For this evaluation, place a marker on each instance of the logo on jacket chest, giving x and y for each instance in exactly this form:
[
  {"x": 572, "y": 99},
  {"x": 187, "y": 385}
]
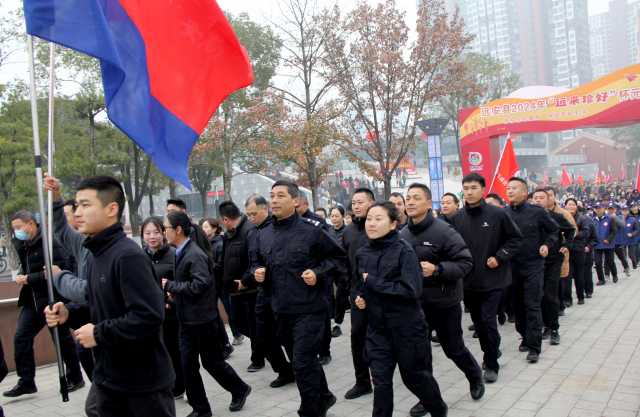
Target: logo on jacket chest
[
  {"x": 427, "y": 244},
  {"x": 606, "y": 224},
  {"x": 485, "y": 224}
]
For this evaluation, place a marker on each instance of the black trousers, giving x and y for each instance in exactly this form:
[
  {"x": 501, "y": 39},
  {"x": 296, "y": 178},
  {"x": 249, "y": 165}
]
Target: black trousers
[
  {"x": 358, "y": 340},
  {"x": 267, "y": 339},
  {"x": 577, "y": 273},
  {"x": 244, "y": 313},
  {"x": 112, "y": 403},
  {"x": 342, "y": 303},
  {"x": 550, "y": 300},
  {"x": 483, "y": 306},
  {"x": 506, "y": 302},
  {"x": 447, "y": 322},
  {"x": 200, "y": 343},
  {"x": 528, "y": 279},
  {"x": 621, "y": 253},
  {"x": 632, "y": 251},
  {"x": 325, "y": 346},
  {"x": 301, "y": 334},
  {"x": 4, "y": 370},
  {"x": 30, "y": 322},
  {"x": 605, "y": 256},
  {"x": 588, "y": 272},
  {"x": 171, "y": 335},
  {"x": 405, "y": 346}
]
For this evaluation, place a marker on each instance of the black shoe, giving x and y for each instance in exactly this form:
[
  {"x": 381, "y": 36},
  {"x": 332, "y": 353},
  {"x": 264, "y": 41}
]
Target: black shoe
[
  {"x": 255, "y": 367},
  {"x": 228, "y": 350},
  {"x": 358, "y": 391},
  {"x": 589, "y": 295},
  {"x": 490, "y": 376},
  {"x": 615, "y": 279},
  {"x": 324, "y": 360},
  {"x": 75, "y": 386},
  {"x": 511, "y": 319},
  {"x": 177, "y": 397},
  {"x": 477, "y": 390},
  {"x": 336, "y": 331},
  {"x": 555, "y": 338},
  {"x": 200, "y": 414},
  {"x": 21, "y": 389},
  {"x": 560, "y": 313},
  {"x": 568, "y": 304},
  {"x": 545, "y": 333},
  {"x": 330, "y": 401},
  {"x": 435, "y": 339},
  {"x": 581, "y": 301},
  {"x": 238, "y": 402},
  {"x": 475, "y": 335},
  {"x": 600, "y": 283},
  {"x": 523, "y": 348},
  {"x": 502, "y": 319},
  {"x": 533, "y": 356},
  {"x": 418, "y": 410},
  {"x": 281, "y": 381},
  {"x": 472, "y": 327}
]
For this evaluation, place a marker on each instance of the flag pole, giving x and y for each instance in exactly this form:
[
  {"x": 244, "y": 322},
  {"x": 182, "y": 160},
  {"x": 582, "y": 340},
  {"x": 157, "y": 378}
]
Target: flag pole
[
  {"x": 50, "y": 147},
  {"x": 499, "y": 161},
  {"x": 43, "y": 219}
]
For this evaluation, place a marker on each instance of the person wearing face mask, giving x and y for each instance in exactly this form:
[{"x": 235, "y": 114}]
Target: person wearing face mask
[
  {"x": 444, "y": 260},
  {"x": 163, "y": 258},
  {"x": 388, "y": 289},
  {"x": 32, "y": 300}
]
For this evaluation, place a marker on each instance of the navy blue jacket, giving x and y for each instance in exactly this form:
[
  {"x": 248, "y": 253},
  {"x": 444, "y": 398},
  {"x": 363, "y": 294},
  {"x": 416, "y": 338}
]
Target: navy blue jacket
[
  {"x": 606, "y": 229},
  {"x": 288, "y": 247}
]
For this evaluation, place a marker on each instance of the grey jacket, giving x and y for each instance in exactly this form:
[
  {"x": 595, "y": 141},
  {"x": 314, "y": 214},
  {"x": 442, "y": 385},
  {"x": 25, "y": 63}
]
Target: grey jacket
[{"x": 70, "y": 286}]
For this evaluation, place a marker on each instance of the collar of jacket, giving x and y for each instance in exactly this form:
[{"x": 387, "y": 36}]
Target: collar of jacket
[
  {"x": 100, "y": 242},
  {"x": 232, "y": 233},
  {"x": 340, "y": 229},
  {"x": 159, "y": 254},
  {"x": 36, "y": 241},
  {"x": 475, "y": 210},
  {"x": 518, "y": 207},
  {"x": 284, "y": 223},
  {"x": 385, "y": 240},
  {"x": 359, "y": 222},
  {"x": 266, "y": 222},
  {"x": 423, "y": 225}
]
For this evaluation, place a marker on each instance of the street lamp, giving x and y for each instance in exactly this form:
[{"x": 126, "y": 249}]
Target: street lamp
[{"x": 433, "y": 128}]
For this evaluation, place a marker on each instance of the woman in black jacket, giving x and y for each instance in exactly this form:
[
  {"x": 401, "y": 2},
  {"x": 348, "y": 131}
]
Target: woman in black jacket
[
  {"x": 579, "y": 248},
  {"x": 341, "y": 299},
  {"x": 163, "y": 258},
  {"x": 389, "y": 289}
]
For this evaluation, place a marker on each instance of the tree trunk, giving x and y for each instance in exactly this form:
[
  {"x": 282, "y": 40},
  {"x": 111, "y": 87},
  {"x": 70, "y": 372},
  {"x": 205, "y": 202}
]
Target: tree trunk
[
  {"x": 227, "y": 175},
  {"x": 151, "y": 208},
  {"x": 172, "y": 189},
  {"x": 134, "y": 218},
  {"x": 387, "y": 185},
  {"x": 203, "y": 200},
  {"x": 313, "y": 182}
]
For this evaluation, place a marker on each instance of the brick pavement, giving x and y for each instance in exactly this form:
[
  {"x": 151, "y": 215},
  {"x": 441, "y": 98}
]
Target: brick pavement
[{"x": 595, "y": 371}]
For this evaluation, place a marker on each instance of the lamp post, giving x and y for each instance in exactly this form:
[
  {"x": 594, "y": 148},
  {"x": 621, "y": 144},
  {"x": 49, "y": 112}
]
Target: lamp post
[{"x": 433, "y": 129}]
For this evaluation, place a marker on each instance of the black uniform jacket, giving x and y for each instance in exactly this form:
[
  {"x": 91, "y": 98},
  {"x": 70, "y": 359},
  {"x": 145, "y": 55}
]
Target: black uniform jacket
[{"x": 537, "y": 227}]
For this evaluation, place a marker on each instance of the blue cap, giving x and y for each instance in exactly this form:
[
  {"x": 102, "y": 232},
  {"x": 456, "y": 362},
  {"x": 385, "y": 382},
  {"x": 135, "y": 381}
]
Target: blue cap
[{"x": 598, "y": 205}]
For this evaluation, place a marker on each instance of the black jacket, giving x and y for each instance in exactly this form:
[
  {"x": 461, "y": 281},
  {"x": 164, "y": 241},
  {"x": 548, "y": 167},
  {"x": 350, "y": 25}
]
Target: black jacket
[
  {"x": 164, "y": 263},
  {"x": 582, "y": 238},
  {"x": 437, "y": 242},
  {"x": 565, "y": 235},
  {"x": 264, "y": 289},
  {"x": 236, "y": 264},
  {"x": 537, "y": 228},
  {"x": 488, "y": 232},
  {"x": 353, "y": 238},
  {"x": 394, "y": 281},
  {"x": 127, "y": 307},
  {"x": 35, "y": 294},
  {"x": 288, "y": 247},
  {"x": 193, "y": 288}
]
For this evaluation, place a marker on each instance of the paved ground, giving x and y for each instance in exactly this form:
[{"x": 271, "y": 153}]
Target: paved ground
[{"x": 594, "y": 372}]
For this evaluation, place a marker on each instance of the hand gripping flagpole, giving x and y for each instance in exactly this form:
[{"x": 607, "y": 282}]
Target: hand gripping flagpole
[{"x": 45, "y": 239}]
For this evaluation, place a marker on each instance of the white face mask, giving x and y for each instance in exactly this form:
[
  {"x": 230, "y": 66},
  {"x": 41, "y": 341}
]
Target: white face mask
[{"x": 21, "y": 235}]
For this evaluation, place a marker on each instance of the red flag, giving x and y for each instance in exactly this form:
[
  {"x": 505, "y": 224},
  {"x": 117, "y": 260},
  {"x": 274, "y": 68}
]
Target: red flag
[
  {"x": 507, "y": 168},
  {"x": 597, "y": 180},
  {"x": 565, "y": 181},
  {"x": 580, "y": 180}
]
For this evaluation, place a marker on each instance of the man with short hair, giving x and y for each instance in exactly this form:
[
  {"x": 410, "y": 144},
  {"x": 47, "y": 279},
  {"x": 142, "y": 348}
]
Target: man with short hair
[
  {"x": 133, "y": 374},
  {"x": 236, "y": 275},
  {"x": 321, "y": 212},
  {"x": 32, "y": 300},
  {"x": 398, "y": 200},
  {"x": 257, "y": 210},
  {"x": 492, "y": 238},
  {"x": 444, "y": 260},
  {"x": 353, "y": 238},
  {"x": 606, "y": 229},
  {"x": 296, "y": 256},
  {"x": 540, "y": 234},
  {"x": 449, "y": 206}
]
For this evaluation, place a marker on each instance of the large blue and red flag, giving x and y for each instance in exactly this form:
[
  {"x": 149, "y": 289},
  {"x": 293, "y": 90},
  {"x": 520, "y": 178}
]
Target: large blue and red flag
[{"x": 166, "y": 65}]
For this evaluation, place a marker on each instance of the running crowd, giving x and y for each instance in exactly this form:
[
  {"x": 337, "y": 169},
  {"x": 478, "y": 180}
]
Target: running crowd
[{"x": 144, "y": 319}]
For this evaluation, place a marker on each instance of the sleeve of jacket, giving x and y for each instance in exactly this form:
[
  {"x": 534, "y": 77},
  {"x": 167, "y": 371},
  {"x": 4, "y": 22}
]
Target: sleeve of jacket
[
  {"x": 584, "y": 232},
  {"x": 593, "y": 234},
  {"x": 331, "y": 258},
  {"x": 407, "y": 285},
  {"x": 247, "y": 278},
  {"x": 567, "y": 229},
  {"x": 200, "y": 275},
  {"x": 549, "y": 229},
  {"x": 255, "y": 258},
  {"x": 143, "y": 300},
  {"x": 459, "y": 261},
  {"x": 71, "y": 287},
  {"x": 512, "y": 238},
  {"x": 70, "y": 239}
]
